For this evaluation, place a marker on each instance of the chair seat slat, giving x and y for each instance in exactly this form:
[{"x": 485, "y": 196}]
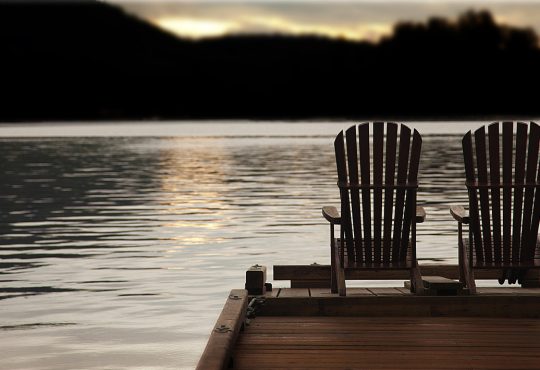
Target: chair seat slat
[
  {"x": 390, "y": 167},
  {"x": 508, "y": 144},
  {"x": 410, "y": 201},
  {"x": 473, "y": 197},
  {"x": 495, "y": 180},
  {"x": 378, "y": 145},
  {"x": 341, "y": 165},
  {"x": 531, "y": 170},
  {"x": 352, "y": 159},
  {"x": 403, "y": 166},
  {"x": 519, "y": 177},
  {"x": 481, "y": 163},
  {"x": 364, "y": 163}
]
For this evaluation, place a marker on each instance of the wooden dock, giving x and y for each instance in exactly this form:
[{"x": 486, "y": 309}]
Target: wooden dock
[
  {"x": 376, "y": 328},
  {"x": 318, "y": 342}
]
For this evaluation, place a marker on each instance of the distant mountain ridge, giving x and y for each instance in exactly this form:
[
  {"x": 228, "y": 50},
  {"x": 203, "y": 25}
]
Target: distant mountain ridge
[{"x": 90, "y": 60}]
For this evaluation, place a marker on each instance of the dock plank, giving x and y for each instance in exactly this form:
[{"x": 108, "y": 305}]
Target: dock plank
[
  {"x": 223, "y": 338},
  {"x": 321, "y": 292},
  {"x": 404, "y": 290},
  {"x": 517, "y": 291},
  {"x": 322, "y": 342},
  {"x": 386, "y": 291},
  {"x": 274, "y": 293},
  {"x": 490, "y": 302},
  {"x": 294, "y": 293},
  {"x": 351, "y": 292}
]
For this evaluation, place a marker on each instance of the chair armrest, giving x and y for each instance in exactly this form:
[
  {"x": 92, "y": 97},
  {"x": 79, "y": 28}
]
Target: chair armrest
[
  {"x": 331, "y": 214},
  {"x": 420, "y": 214},
  {"x": 459, "y": 214}
]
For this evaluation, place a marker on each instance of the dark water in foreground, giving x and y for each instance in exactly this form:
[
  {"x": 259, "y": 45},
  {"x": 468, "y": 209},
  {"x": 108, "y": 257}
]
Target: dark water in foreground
[{"x": 118, "y": 252}]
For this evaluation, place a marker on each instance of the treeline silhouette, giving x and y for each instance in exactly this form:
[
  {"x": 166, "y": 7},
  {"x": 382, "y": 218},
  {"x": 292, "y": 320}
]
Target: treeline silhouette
[{"x": 90, "y": 60}]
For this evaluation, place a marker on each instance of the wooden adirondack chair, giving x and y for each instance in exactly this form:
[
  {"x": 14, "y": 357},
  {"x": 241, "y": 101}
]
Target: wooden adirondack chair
[
  {"x": 392, "y": 245},
  {"x": 509, "y": 245}
]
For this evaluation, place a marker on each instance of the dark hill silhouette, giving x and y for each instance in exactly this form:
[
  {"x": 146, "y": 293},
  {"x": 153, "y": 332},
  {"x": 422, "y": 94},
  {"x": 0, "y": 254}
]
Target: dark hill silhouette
[{"x": 90, "y": 60}]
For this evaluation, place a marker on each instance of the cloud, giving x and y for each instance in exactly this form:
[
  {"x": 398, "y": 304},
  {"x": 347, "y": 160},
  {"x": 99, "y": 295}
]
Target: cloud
[{"x": 353, "y": 19}]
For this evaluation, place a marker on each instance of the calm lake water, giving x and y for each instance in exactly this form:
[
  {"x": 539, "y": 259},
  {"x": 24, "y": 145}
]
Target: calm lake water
[{"x": 120, "y": 242}]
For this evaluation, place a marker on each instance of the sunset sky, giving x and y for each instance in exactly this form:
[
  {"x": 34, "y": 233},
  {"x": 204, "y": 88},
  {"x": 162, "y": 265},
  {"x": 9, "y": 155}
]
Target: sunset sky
[{"x": 358, "y": 20}]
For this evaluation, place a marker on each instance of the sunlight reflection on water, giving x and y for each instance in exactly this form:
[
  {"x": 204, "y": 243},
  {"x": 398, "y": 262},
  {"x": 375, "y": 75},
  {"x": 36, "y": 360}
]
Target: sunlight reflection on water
[{"x": 118, "y": 249}]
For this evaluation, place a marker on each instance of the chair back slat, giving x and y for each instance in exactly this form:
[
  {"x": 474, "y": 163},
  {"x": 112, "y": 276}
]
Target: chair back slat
[
  {"x": 481, "y": 165},
  {"x": 519, "y": 178},
  {"x": 409, "y": 215},
  {"x": 363, "y": 142},
  {"x": 390, "y": 170},
  {"x": 344, "y": 194},
  {"x": 513, "y": 240},
  {"x": 363, "y": 181},
  {"x": 508, "y": 144},
  {"x": 473, "y": 198},
  {"x": 378, "y": 144},
  {"x": 533, "y": 234},
  {"x": 403, "y": 166},
  {"x": 495, "y": 178},
  {"x": 352, "y": 158},
  {"x": 527, "y": 242}
]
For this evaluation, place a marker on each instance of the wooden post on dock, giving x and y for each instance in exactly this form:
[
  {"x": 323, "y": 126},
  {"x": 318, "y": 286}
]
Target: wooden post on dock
[{"x": 256, "y": 280}]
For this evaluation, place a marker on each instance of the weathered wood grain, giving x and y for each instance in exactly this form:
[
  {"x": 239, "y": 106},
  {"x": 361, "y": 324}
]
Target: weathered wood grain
[
  {"x": 217, "y": 353},
  {"x": 392, "y": 302},
  {"x": 388, "y": 343},
  {"x": 322, "y": 272}
]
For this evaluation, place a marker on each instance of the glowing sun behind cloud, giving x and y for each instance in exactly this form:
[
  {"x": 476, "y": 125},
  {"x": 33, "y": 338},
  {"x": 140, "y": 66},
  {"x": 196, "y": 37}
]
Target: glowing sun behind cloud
[
  {"x": 200, "y": 28},
  {"x": 195, "y": 28}
]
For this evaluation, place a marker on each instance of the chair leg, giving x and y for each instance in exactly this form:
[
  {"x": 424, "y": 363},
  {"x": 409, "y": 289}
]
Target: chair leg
[
  {"x": 334, "y": 285},
  {"x": 339, "y": 272},
  {"x": 471, "y": 284},
  {"x": 333, "y": 277},
  {"x": 342, "y": 290},
  {"x": 461, "y": 259},
  {"x": 466, "y": 269},
  {"x": 333, "y": 274},
  {"x": 417, "y": 286}
]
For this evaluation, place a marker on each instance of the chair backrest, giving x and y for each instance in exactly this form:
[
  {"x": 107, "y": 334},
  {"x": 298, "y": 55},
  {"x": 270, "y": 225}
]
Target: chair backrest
[
  {"x": 392, "y": 221},
  {"x": 514, "y": 239}
]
